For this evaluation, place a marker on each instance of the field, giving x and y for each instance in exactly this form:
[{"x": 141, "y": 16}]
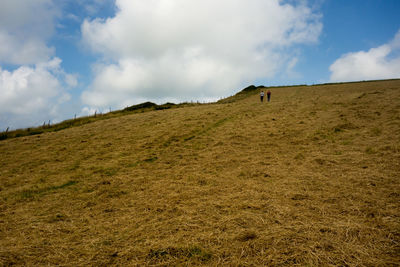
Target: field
[{"x": 310, "y": 179}]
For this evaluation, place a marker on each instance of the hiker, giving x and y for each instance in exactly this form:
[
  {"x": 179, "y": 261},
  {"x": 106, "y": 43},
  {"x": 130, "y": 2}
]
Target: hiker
[
  {"x": 262, "y": 96},
  {"x": 269, "y": 95}
]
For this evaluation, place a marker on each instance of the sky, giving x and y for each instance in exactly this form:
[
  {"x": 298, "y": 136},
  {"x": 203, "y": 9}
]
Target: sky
[{"x": 61, "y": 58}]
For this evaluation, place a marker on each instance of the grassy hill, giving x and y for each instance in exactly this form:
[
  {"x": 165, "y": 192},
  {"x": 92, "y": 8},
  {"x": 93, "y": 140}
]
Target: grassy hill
[{"x": 311, "y": 178}]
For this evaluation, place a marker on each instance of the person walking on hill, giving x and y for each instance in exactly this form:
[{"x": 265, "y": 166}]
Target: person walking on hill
[
  {"x": 262, "y": 96},
  {"x": 269, "y": 95}
]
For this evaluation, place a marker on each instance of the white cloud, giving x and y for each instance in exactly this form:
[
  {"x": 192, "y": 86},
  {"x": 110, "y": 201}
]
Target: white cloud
[
  {"x": 35, "y": 88},
  {"x": 71, "y": 80},
  {"x": 73, "y": 17},
  {"x": 192, "y": 50},
  {"x": 25, "y": 26},
  {"x": 30, "y": 95},
  {"x": 16, "y": 51},
  {"x": 382, "y": 62},
  {"x": 86, "y": 111}
]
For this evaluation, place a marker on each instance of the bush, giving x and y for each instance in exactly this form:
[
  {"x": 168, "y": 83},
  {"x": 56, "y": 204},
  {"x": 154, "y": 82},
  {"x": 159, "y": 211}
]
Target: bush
[
  {"x": 165, "y": 106},
  {"x": 3, "y": 136},
  {"x": 141, "y": 106},
  {"x": 249, "y": 88}
]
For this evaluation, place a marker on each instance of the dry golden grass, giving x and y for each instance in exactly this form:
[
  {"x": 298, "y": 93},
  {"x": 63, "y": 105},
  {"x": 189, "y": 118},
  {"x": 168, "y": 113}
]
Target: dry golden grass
[{"x": 309, "y": 179}]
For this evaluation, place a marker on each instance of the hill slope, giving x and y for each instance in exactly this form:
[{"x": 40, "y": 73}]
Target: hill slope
[{"x": 311, "y": 178}]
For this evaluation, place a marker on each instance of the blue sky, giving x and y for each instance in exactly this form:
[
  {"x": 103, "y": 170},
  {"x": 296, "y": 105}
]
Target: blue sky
[
  {"x": 61, "y": 58},
  {"x": 348, "y": 26}
]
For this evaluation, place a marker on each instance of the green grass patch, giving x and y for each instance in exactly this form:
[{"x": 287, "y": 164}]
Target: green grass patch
[
  {"x": 151, "y": 159},
  {"x": 344, "y": 126},
  {"x": 190, "y": 253},
  {"x": 32, "y": 193},
  {"x": 104, "y": 171},
  {"x": 370, "y": 150}
]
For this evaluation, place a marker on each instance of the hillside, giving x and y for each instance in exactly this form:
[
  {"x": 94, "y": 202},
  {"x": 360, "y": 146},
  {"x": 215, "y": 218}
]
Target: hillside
[{"x": 311, "y": 178}]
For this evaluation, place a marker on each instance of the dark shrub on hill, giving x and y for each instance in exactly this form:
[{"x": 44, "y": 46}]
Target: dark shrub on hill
[
  {"x": 141, "y": 106},
  {"x": 3, "y": 136},
  {"x": 249, "y": 88},
  {"x": 165, "y": 106}
]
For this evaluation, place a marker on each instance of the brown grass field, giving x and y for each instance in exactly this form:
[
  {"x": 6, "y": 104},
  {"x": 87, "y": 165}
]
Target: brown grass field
[{"x": 310, "y": 179}]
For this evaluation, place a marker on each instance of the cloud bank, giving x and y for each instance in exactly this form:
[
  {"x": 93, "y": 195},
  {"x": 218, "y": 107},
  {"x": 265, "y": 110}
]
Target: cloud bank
[
  {"x": 382, "y": 62},
  {"x": 32, "y": 94},
  {"x": 36, "y": 85},
  {"x": 24, "y": 28},
  {"x": 192, "y": 50}
]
